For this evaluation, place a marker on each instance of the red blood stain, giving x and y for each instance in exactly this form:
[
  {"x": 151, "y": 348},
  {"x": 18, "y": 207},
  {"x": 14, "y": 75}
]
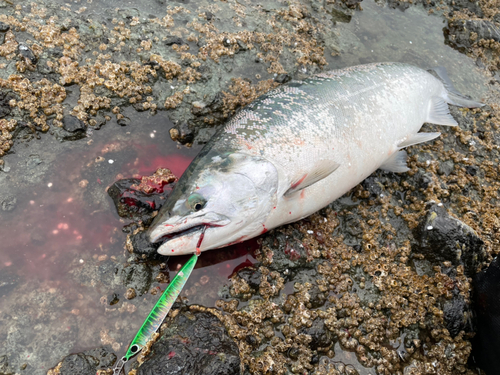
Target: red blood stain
[
  {"x": 171, "y": 355},
  {"x": 264, "y": 230},
  {"x": 291, "y": 252},
  {"x": 245, "y": 264},
  {"x": 298, "y": 182}
]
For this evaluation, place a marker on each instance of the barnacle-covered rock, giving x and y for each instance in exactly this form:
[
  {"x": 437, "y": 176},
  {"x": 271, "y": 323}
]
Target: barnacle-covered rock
[{"x": 441, "y": 237}]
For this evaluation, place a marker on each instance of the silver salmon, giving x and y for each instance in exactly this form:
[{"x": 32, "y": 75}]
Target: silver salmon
[{"x": 299, "y": 147}]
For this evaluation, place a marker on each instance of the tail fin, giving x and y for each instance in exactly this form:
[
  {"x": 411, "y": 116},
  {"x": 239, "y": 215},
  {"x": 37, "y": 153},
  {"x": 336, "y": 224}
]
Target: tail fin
[{"x": 454, "y": 96}]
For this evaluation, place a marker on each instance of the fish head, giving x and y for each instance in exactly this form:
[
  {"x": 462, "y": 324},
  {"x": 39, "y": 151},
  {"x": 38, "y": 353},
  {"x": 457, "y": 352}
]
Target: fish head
[{"x": 219, "y": 200}]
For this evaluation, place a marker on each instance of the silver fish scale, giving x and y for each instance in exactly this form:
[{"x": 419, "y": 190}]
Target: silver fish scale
[{"x": 334, "y": 115}]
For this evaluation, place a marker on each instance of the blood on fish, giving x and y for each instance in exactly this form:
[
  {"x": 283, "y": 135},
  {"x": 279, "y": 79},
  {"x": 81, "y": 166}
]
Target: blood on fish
[
  {"x": 264, "y": 230},
  {"x": 299, "y": 182},
  {"x": 202, "y": 235}
]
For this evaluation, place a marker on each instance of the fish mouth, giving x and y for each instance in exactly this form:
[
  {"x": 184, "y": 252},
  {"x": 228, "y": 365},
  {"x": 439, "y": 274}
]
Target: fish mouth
[
  {"x": 183, "y": 233},
  {"x": 181, "y": 227}
]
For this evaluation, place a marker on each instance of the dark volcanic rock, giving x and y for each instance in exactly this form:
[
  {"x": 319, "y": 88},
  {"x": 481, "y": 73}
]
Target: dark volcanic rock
[
  {"x": 182, "y": 133},
  {"x": 456, "y": 313},
  {"x": 78, "y": 364},
  {"x": 486, "y": 302},
  {"x": 251, "y": 276},
  {"x": 4, "y": 27},
  {"x": 141, "y": 244},
  {"x": 5, "y": 98},
  {"x": 458, "y": 33},
  {"x": 135, "y": 204},
  {"x": 72, "y": 129},
  {"x": 137, "y": 276},
  {"x": 195, "y": 343},
  {"x": 441, "y": 237},
  {"x": 73, "y": 124},
  {"x": 4, "y": 366},
  {"x": 321, "y": 337},
  {"x": 87, "y": 363}
]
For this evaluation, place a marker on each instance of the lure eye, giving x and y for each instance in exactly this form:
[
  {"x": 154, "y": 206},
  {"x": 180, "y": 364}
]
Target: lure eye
[
  {"x": 196, "y": 201},
  {"x": 134, "y": 348}
]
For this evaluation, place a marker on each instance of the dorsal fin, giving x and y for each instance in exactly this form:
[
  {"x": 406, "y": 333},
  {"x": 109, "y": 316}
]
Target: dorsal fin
[{"x": 322, "y": 169}]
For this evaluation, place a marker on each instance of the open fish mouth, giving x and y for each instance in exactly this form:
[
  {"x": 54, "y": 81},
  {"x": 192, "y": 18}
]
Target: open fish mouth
[
  {"x": 189, "y": 232},
  {"x": 186, "y": 228}
]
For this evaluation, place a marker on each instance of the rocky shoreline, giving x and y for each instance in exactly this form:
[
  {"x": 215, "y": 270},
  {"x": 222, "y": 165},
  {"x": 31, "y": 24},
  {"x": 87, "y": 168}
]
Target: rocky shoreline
[{"x": 380, "y": 282}]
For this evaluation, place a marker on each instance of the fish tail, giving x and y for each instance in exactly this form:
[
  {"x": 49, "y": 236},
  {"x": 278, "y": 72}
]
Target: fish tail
[{"x": 453, "y": 96}]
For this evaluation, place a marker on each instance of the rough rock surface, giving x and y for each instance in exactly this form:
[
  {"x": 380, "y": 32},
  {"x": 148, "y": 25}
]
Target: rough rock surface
[
  {"x": 193, "y": 343},
  {"x": 441, "y": 237},
  {"x": 86, "y": 363}
]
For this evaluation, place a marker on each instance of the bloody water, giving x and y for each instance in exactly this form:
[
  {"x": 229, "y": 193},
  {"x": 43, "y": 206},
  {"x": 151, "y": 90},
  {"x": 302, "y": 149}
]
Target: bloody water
[{"x": 64, "y": 227}]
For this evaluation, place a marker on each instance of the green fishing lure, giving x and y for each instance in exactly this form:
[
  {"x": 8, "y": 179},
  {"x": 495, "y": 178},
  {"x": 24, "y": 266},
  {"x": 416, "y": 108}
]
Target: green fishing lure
[{"x": 157, "y": 314}]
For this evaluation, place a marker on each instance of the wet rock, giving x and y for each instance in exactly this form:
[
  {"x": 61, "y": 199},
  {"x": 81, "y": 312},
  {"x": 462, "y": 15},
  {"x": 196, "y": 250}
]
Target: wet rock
[
  {"x": 463, "y": 34},
  {"x": 441, "y": 237},
  {"x": 486, "y": 303},
  {"x": 78, "y": 364},
  {"x": 374, "y": 186},
  {"x": 171, "y": 40},
  {"x": 134, "y": 204},
  {"x": 283, "y": 78},
  {"x": 4, "y": 366},
  {"x": 5, "y": 98},
  {"x": 321, "y": 337},
  {"x": 316, "y": 297},
  {"x": 124, "y": 121},
  {"x": 251, "y": 276},
  {"x": 27, "y": 53},
  {"x": 73, "y": 124},
  {"x": 396, "y": 4},
  {"x": 113, "y": 299},
  {"x": 182, "y": 133},
  {"x": 9, "y": 204},
  {"x": 141, "y": 244},
  {"x": 194, "y": 343},
  {"x": 456, "y": 313},
  {"x": 72, "y": 129},
  {"x": 137, "y": 277},
  {"x": 87, "y": 363},
  {"x": 289, "y": 255},
  {"x": 352, "y": 4},
  {"x": 8, "y": 281},
  {"x": 4, "y": 27}
]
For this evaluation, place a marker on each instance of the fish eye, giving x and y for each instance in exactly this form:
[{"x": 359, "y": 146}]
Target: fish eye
[{"x": 196, "y": 201}]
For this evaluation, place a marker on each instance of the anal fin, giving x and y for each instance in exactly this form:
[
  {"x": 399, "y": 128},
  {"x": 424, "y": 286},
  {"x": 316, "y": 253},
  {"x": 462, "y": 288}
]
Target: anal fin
[
  {"x": 418, "y": 138},
  {"x": 396, "y": 163},
  {"x": 439, "y": 113},
  {"x": 321, "y": 170}
]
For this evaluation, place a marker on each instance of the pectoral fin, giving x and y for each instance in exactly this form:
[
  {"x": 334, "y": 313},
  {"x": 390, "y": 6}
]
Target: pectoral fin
[
  {"x": 439, "y": 113},
  {"x": 418, "y": 138},
  {"x": 321, "y": 170},
  {"x": 396, "y": 163}
]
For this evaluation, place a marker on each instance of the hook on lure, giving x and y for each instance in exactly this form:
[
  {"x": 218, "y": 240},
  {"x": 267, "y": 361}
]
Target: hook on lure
[{"x": 160, "y": 310}]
